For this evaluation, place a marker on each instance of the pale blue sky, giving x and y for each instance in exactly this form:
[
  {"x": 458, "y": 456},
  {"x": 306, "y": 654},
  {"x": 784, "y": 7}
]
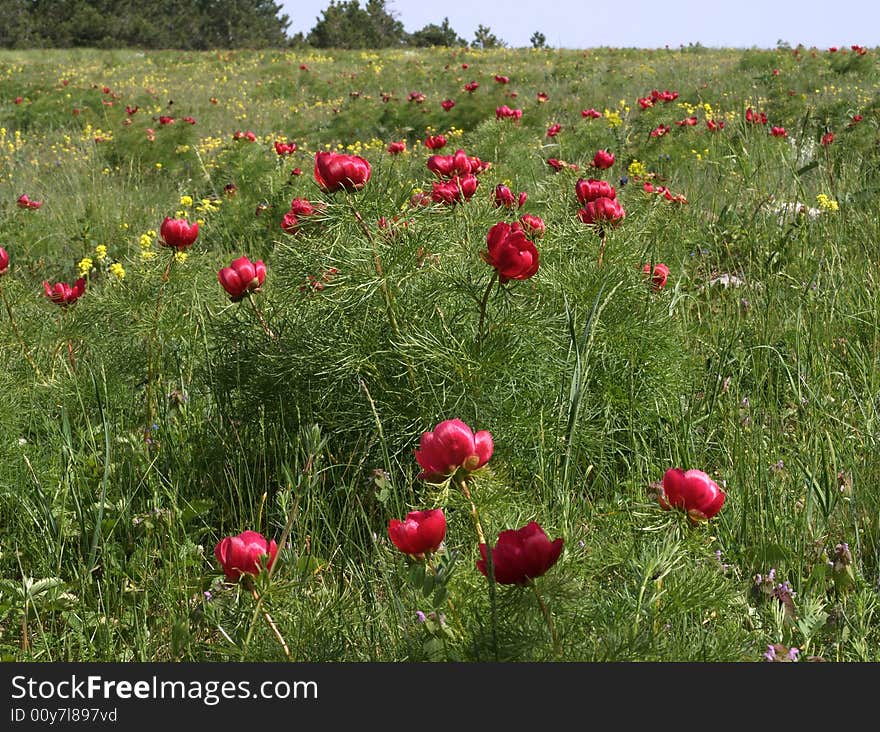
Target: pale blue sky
[{"x": 639, "y": 23}]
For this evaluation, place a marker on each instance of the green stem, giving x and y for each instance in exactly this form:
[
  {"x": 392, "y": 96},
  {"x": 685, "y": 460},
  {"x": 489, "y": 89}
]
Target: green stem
[
  {"x": 483, "y": 303},
  {"x": 467, "y": 494},
  {"x": 152, "y": 343},
  {"x": 545, "y": 611},
  {"x": 258, "y": 609},
  {"x": 18, "y": 335},
  {"x": 266, "y": 329},
  {"x": 383, "y": 284}
]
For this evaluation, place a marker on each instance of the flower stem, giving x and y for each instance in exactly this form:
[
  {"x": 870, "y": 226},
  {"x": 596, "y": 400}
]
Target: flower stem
[
  {"x": 467, "y": 494},
  {"x": 483, "y": 303},
  {"x": 152, "y": 344},
  {"x": 602, "y": 242},
  {"x": 545, "y": 611},
  {"x": 268, "y": 618},
  {"x": 266, "y": 329},
  {"x": 18, "y": 335},
  {"x": 383, "y": 283}
]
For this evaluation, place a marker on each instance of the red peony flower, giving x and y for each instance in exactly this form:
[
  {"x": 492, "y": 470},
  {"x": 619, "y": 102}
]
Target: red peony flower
[
  {"x": 660, "y": 130},
  {"x": 471, "y": 87},
  {"x": 435, "y": 142},
  {"x": 63, "y": 294},
  {"x": 458, "y": 164},
  {"x": 455, "y": 190},
  {"x": 4, "y": 261},
  {"x": 505, "y": 112},
  {"x": 602, "y": 211},
  {"x": 510, "y": 252},
  {"x": 178, "y": 233},
  {"x": 533, "y": 225},
  {"x": 659, "y": 276},
  {"x": 395, "y": 148},
  {"x": 242, "y": 277},
  {"x": 284, "y": 148},
  {"x": 603, "y": 160},
  {"x": 542, "y": 97},
  {"x": 778, "y": 132},
  {"x": 591, "y": 113},
  {"x": 554, "y": 130},
  {"x": 521, "y": 555},
  {"x": 693, "y": 491},
  {"x": 827, "y": 138},
  {"x": 452, "y": 447},
  {"x": 419, "y": 533},
  {"x": 335, "y": 171},
  {"x": 243, "y": 554},
  {"x": 502, "y": 79},
  {"x": 25, "y": 202},
  {"x": 447, "y": 104},
  {"x": 590, "y": 190}
]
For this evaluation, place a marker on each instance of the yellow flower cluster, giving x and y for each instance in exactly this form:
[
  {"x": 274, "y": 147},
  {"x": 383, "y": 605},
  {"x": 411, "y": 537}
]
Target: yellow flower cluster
[
  {"x": 117, "y": 270},
  {"x": 826, "y": 203},
  {"x": 85, "y": 266},
  {"x": 208, "y": 206},
  {"x": 145, "y": 242},
  {"x": 637, "y": 169},
  {"x": 613, "y": 118},
  {"x": 101, "y": 252}
]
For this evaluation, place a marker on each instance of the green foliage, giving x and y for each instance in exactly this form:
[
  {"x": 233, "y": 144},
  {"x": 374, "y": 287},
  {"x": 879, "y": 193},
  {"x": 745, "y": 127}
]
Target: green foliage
[
  {"x": 154, "y": 416},
  {"x": 485, "y": 38},
  {"x": 202, "y": 24},
  {"x": 436, "y": 35},
  {"x": 347, "y": 25}
]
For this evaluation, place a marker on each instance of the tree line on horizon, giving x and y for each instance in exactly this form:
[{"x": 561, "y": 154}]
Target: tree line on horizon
[{"x": 208, "y": 24}]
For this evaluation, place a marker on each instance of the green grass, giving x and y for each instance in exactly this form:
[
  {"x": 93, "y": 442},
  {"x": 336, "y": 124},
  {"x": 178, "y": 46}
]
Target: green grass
[{"x": 591, "y": 384}]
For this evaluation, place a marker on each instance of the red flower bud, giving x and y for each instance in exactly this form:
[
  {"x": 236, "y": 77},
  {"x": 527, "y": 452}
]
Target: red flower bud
[
  {"x": 243, "y": 554},
  {"x": 590, "y": 190},
  {"x": 603, "y": 159},
  {"x": 693, "y": 491},
  {"x": 335, "y": 171},
  {"x": 659, "y": 276},
  {"x": 4, "y": 261},
  {"x": 450, "y": 447},
  {"x": 395, "y": 148},
  {"x": 435, "y": 142},
  {"x": 63, "y": 294},
  {"x": 242, "y": 277},
  {"x": 178, "y": 233},
  {"x": 510, "y": 252},
  {"x": 521, "y": 555},
  {"x": 420, "y": 532},
  {"x": 602, "y": 211},
  {"x": 533, "y": 225}
]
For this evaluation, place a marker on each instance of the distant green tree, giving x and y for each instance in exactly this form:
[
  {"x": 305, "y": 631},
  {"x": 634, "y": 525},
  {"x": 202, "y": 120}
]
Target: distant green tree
[
  {"x": 436, "y": 35},
  {"x": 16, "y": 29},
  {"x": 485, "y": 38},
  {"x": 347, "y": 25},
  {"x": 538, "y": 40},
  {"x": 200, "y": 24}
]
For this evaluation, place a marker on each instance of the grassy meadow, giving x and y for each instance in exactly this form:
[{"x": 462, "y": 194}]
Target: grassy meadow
[{"x": 153, "y": 417}]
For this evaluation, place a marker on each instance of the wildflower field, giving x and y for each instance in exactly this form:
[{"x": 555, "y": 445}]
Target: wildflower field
[{"x": 440, "y": 355}]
